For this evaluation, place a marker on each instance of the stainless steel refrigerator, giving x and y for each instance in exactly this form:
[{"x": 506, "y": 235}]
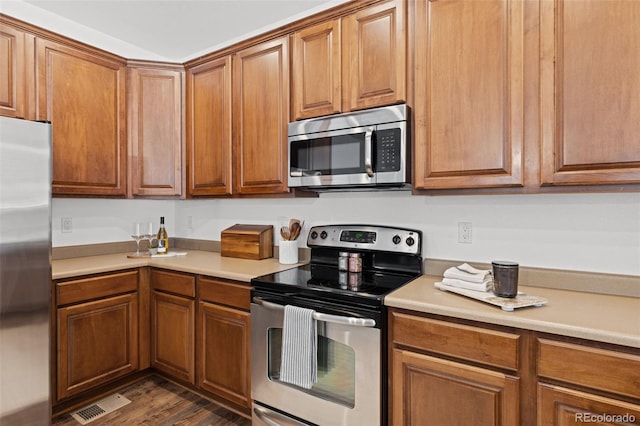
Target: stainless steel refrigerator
[{"x": 25, "y": 272}]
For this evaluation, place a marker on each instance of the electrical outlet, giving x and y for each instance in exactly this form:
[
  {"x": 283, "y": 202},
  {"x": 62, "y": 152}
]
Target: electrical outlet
[
  {"x": 190, "y": 223},
  {"x": 66, "y": 224},
  {"x": 464, "y": 232}
]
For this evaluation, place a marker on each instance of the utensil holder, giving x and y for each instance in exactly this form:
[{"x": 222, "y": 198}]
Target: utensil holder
[{"x": 288, "y": 252}]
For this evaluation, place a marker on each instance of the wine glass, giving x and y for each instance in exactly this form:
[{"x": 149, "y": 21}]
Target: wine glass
[
  {"x": 149, "y": 235},
  {"x": 138, "y": 236}
]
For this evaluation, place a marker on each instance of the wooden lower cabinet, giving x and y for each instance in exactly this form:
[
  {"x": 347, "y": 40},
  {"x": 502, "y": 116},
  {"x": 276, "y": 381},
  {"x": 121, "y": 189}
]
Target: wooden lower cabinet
[
  {"x": 173, "y": 324},
  {"x": 224, "y": 339},
  {"x": 97, "y": 342},
  {"x": 581, "y": 382},
  {"x": 208, "y": 348},
  {"x": 560, "y": 406},
  {"x": 448, "y": 373},
  {"x": 96, "y": 331},
  {"x": 172, "y": 335},
  {"x": 428, "y": 390}
]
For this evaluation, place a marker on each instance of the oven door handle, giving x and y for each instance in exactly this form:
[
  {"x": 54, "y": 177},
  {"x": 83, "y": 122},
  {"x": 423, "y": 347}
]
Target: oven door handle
[
  {"x": 336, "y": 319},
  {"x": 273, "y": 418}
]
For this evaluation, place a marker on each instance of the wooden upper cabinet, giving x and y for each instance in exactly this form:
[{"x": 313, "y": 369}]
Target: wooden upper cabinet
[
  {"x": 469, "y": 96},
  {"x": 352, "y": 63},
  {"x": 590, "y": 92},
  {"x": 260, "y": 118},
  {"x": 83, "y": 95},
  {"x": 374, "y": 56},
  {"x": 317, "y": 70},
  {"x": 17, "y": 80},
  {"x": 209, "y": 151},
  {"x": 155, "y": 131}
]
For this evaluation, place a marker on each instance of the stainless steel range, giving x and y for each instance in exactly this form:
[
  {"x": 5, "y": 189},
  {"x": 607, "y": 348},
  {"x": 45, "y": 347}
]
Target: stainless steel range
[{"x": 352, "y": 268}]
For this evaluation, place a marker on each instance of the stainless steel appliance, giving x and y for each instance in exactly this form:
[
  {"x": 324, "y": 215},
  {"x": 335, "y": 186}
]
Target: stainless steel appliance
[
  {"x": 25, "y": 272},
  {"x": 366, "y": 149},
  {"x": 351, "y": 326}
]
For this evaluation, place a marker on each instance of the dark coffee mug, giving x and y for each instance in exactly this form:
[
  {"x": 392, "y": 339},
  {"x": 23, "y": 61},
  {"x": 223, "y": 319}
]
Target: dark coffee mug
[{"x": 505, "y": 278}]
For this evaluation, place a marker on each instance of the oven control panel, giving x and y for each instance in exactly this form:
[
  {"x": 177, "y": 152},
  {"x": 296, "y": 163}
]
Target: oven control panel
[{"x": 366, "y": 237}]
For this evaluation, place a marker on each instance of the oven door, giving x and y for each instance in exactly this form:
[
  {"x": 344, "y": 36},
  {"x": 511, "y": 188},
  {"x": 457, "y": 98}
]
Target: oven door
[
  {"x": 332, "y": 158},
  {"x": 349, "y": 369}
]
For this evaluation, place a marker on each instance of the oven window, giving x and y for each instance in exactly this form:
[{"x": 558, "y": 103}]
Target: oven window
[{"x": 336, "y": 368}]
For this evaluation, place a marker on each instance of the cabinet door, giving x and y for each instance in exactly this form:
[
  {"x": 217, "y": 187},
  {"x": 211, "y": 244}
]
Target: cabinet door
[
  {"x": 173, "y": 335},
  {"x": 260, "y": 118},
  {"x": 450, "y": 393},
  {"x": 97, "y": 342},
  {"x": 83, "y": 95},
  {"x": 224, "y": 347},
  {"x": 317, "y": 69},
  {"x": 469, "y": 98},
  {"x": 590, "y": 92},
  {"x": 16, "y": 75},
  {"x": 209, "y": 128},
  {"x": 374, "y": 56},
  {"x": 155, "y": 132},
  {"x": 558, "y": 406}
]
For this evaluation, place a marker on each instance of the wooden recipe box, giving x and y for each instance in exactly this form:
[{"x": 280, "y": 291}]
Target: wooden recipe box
[{"x": 248, "y": 241}]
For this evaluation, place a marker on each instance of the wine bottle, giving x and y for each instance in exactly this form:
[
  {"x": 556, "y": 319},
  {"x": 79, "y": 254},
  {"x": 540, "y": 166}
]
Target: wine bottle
[{"x": 163, "y": 238}]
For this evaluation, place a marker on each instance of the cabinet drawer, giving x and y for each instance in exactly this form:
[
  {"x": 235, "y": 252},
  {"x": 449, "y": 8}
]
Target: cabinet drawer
[
  {"x": 600, "y": 369},
  {"x": 481, "y": 345},
  {"x": 225, "y": 292},
  {"x": 95, "y": 287},
  {"x": 174, "y": 282}
]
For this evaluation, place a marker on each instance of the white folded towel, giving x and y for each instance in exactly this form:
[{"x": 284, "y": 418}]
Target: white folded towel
[
  {"x": 299, "y": 363},
  {"x": 466, "y": 284},
  {"x": 466, "y": 272}
]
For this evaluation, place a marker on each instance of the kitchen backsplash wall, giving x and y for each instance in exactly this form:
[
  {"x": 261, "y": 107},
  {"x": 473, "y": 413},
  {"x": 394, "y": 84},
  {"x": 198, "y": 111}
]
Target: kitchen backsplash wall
[{"x": 584, "y": 232}]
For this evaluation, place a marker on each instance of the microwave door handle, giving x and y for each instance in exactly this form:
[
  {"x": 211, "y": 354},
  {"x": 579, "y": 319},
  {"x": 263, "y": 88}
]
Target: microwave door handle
[
  {"x": 368, "y": 149},
  {"x": 336, "y": 319}
]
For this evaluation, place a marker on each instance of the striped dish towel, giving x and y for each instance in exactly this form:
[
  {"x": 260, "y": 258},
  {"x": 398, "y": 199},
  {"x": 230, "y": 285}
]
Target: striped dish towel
[{"x": 299, "y": 364}]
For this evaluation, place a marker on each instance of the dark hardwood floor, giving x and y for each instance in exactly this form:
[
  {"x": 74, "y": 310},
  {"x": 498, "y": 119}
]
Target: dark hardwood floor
[{"x": 159, "y": 402}]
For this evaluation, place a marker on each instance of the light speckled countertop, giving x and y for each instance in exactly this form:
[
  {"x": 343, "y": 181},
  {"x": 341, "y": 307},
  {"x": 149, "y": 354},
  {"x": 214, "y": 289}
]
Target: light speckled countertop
[
  {"x": 605, "y": 318},
  {"x": 600, "y": 317},
  {"x": 195, "y": 262}
]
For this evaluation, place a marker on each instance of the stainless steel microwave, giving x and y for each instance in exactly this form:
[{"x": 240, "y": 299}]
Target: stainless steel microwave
[{"x": 360, "y": 150}]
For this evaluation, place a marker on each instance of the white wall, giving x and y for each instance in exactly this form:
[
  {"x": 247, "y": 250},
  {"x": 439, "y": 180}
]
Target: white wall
[
  {"x": 590, "y": 232},
  {"x": 586, "y": 232}
]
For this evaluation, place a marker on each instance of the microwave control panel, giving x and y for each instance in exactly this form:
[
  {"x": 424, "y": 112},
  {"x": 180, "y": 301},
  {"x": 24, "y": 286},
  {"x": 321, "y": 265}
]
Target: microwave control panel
[{"x": 388, "y": 148}]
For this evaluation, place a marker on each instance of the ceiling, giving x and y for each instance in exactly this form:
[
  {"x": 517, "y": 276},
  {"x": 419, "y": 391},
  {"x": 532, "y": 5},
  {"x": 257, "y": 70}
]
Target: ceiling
[{"x": 180, "y": 30}]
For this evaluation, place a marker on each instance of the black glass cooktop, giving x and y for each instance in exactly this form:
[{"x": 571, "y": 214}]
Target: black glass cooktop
[{"x": 326, "y": 282}]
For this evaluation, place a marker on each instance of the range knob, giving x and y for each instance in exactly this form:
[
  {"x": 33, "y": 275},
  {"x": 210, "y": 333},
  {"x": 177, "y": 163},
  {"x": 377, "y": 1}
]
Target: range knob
[
  {"x": 410, "y": 241},
  {"x": 314, "y": 235},
  {"x": 396, "y": 239},
  {"x": 323, "y": 234}
]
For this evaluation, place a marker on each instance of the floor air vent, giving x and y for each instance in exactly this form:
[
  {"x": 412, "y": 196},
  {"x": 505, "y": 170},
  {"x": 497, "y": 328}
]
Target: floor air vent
[{"x": 101, "y": 408}]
